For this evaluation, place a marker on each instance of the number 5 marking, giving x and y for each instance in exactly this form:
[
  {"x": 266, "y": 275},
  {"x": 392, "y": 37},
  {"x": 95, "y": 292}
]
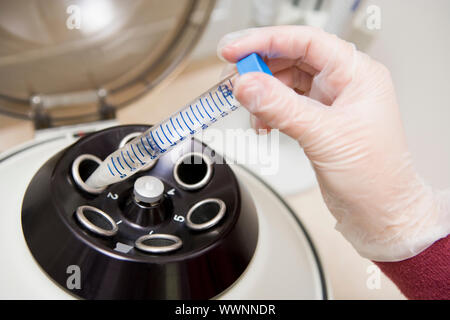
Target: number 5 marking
[{"x": 178, "y": 218}]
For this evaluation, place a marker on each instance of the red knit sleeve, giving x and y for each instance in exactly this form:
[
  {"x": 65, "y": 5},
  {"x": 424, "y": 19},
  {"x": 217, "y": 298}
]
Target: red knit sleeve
[{"x": 425, "y": 276}]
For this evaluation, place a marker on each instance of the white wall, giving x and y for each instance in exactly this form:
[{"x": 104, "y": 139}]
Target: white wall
[{"x": 414, "y": 43}]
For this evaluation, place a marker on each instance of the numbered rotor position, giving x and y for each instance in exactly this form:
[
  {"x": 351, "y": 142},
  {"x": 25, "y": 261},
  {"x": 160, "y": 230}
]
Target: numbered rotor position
[{"x": 148, "y": 237}]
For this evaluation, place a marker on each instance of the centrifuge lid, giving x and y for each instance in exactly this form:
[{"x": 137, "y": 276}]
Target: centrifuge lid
[{"x": 65, "y": 58}]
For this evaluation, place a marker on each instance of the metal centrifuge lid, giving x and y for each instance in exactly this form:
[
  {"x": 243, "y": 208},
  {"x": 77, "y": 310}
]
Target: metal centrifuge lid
[{"x": 65, "y": 59}]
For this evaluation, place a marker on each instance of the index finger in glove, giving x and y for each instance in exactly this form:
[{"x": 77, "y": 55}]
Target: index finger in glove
[
  {"x": 302, "y": 46},
  {"x": 308, "y": 44}
]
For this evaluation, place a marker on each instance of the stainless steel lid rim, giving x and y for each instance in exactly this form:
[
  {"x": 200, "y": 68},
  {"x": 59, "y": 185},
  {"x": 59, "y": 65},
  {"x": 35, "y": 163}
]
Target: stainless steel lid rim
[{"x": 145, "y": 74}]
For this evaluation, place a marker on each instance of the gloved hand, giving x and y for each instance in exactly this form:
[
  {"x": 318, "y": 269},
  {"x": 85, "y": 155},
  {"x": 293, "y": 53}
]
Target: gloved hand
[{"x": 341, "y": 107}]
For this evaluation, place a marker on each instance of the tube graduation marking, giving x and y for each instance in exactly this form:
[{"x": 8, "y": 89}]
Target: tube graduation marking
[
  {"x": 185, "y": 122},
  {"x": 130, "y": 157},
  {"x": 173, "y": 125},
  {"x": 118, "y": 160},
  {"x": 162, "y": 150},
  {"x": 199, "y": 112},
  {"x": 162, "y": 130},
  {"x": 132, "y": 149},
  {"x": 179, "y": 124},
  {"x": 168, "y": 129},
  {"x": 142, "y": 141},
  {"x": 125, "y": 160},
  {"x": 137, "y": 145},
  {"x": 192, "y": 110},
  {"x": 214, "y": 103},
  {"x": 112, "y": 160},
  {"x": 205, "y": 109},
  {"x": 110, "y": 169},
  {"x": 219, "y": 99},
  {"x": 189, "y": 118},
  {"x": 226, "y": 99},
  {"x": 149, "y": 143}
]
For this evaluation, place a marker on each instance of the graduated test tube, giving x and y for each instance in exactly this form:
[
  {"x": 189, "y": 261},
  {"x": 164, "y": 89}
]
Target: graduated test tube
[{"x": 213, "y": 105}]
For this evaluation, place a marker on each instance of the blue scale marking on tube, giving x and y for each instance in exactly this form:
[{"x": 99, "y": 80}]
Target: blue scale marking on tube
[
  {"x": 123, "y": 157},
  {"x": 219, "y": 99},
  {"x": 179, "y": 124},
  {"x": 110, "y": 169},
  {"x": 129, "y": 156},
  {"x": 185, "y": 122},
  {"x": 231, "y": 84},
  {"x": 120, "y": 163},
  {"x": 162, "y": 130},
  {"x": 201, "y": 114},
  {"x": 120, "y": 173},
  {"x": 162, "y": 150},
  {"x": 192, "y": 110},
  {"x": 159, "y": 137},
  {"x": 173, "y": 125},
  {"x": 214, "y": 102},
  {"x": 225, "y": 97},
  {"x": 146, "y": 150},
  {"x": 168, "y": 129},
  {"x": 205, "y": 109},
  {"x": 220, "y": 111},
  {"x": 206, "y": 99},
  {"x": 132, "y": 149},
  {"x": 137, "y": 145},
  {"x": 182, "y": 130},
  {"x": 189, "y": 118},
  {"x": 149, "y": 143},
  {"x": 227, "y": 101}
]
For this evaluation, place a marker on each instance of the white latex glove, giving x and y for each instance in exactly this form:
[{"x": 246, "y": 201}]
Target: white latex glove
[{"x": 341, "y": 107}]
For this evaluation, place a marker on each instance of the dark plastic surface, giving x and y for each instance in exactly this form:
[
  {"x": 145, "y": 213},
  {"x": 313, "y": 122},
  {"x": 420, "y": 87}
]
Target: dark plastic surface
[{"x": 208, "y": 262}]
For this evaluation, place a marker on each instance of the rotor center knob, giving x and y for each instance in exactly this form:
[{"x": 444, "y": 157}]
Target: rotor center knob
[{"x": 148, "y": 189}]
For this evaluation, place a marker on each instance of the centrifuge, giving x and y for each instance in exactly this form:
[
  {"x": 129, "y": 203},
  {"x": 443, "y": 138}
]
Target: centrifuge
[{"x": 190, "y": 225}]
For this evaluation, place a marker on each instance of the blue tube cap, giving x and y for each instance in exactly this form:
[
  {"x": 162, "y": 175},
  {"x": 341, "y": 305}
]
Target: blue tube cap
[{"x": 252, "y": 63}]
